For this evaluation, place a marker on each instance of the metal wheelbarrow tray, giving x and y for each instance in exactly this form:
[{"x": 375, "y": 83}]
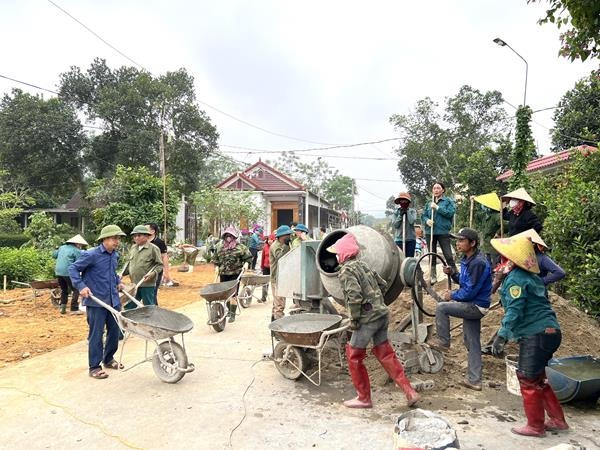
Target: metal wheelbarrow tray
[
  {"x": 219, "y": 291},
  {"x": 304, "y": 329},
  {"x": 575, "y": 378},
  {"x": 255, "y": 279},
  {"x": 153, "y": 322}
]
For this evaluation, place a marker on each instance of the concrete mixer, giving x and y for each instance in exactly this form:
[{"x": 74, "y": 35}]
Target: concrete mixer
[{"x": 308, "y": 275}]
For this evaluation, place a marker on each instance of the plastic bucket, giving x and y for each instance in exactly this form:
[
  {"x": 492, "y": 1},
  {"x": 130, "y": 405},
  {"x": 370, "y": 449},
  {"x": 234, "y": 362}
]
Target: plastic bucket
[{"x": 512, "y": 382}]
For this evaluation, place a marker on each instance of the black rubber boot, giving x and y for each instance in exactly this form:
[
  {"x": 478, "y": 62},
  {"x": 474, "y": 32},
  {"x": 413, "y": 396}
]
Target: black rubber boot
[{"x": 232, "y": 310}]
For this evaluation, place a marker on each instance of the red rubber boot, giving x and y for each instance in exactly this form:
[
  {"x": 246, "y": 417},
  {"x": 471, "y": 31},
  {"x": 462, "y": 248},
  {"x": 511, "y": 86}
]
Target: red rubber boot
[
  {"x": 533, "y": 403},
  {"x": 360, "y": 378},
  {"x": 387, "y": 357},
  {"x": 556, "y": 417}
]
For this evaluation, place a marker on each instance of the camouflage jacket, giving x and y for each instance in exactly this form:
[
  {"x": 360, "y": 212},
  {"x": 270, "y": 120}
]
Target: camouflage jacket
[
  {"x": 231, "y": 262},
  {"x": 276, "y": 251},
  {"x": 362, "y": 291}
]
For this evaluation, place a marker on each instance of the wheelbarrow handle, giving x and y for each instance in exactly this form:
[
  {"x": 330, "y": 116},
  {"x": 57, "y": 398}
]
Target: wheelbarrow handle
[
  {"x": 104, "y": 305},
  {"x": 345, "y": 324},
  {"x": 132, "y": 298}
]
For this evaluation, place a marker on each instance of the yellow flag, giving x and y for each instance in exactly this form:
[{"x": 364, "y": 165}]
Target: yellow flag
[{"x": 490, "y": 200}]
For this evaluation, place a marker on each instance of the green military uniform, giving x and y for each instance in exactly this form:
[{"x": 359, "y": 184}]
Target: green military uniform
[
  {"x": 527, "y": 311},
  {"x": 232, "y": 261},
  {"x": 363, "y": 291},
  {"x": 142, "y": 259}
]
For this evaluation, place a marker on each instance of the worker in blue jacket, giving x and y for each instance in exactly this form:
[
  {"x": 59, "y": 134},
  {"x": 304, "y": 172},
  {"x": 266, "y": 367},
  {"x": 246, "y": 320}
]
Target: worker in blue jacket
[
  {"x": 470, "y": 302},
  {"x": 437, "y": 217}
]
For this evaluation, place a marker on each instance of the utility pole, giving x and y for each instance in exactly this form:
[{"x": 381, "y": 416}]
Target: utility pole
[
  {"x": 163, "y": 173},
  {"x": 353, "y": 214}
]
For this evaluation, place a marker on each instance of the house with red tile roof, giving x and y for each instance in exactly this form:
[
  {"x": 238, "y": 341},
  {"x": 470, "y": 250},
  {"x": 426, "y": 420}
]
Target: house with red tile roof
[
  {"x": 550, "y": 163},
  {"x": 284, "y": 199}
]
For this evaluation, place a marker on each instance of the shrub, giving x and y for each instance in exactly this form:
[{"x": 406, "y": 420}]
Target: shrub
[
  {"x": 12, "y": 240},
  {"x": 26, "y": 264},
  {"x": 571, "y": 203}
]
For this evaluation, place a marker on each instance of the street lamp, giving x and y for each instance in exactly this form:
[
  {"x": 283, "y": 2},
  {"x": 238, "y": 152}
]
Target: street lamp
[{"x": 501, "y": 43}]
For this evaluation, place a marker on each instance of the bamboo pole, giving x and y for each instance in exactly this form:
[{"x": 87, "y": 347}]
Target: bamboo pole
[
  {"x": 404, "y": 233},
  {"x": 471, "y": 213}
]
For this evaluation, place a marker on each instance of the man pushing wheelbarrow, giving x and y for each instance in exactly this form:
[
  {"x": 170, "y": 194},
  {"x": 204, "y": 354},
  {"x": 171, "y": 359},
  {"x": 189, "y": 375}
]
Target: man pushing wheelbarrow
[{"x": 95, "y": 272}]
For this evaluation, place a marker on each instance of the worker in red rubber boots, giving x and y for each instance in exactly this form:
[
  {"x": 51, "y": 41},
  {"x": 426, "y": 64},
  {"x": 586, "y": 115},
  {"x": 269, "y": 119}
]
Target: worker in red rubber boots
[
  {"x": 369, "y": 321},
  {"x": 530, "y": 320}
]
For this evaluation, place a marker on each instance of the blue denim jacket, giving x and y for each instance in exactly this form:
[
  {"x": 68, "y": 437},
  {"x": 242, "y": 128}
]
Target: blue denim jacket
[
  {"x": 475, "y": 281},
  {"x": 97, "y": 270}
]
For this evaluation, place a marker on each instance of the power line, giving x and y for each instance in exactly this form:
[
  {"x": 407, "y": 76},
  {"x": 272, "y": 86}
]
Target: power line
[
  {"x": 98, "y": 36},
  {"x": 28, "y": 84},
  {"x": 264, "y": 130},
  {"x": 297, "y": 150}
]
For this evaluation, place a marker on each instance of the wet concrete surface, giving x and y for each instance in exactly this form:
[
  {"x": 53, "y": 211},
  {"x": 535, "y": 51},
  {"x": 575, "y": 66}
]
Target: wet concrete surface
[{"x": 234, "y": 399}]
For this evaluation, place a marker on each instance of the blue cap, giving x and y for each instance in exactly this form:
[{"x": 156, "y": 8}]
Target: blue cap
[
  {"x": 301, "y": 227},
  {"x": 283, "y": 230}
]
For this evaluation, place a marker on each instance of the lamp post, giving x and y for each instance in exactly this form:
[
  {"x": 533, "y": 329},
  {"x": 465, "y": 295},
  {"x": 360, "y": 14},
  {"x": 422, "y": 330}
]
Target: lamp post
[{"x": 502, "y": 43}]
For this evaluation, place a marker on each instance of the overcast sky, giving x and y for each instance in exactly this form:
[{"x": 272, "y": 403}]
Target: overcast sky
[{"x": 328, "y": 72}]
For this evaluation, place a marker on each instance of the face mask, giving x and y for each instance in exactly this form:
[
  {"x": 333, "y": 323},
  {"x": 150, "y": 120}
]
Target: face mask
[
  {"x": 513, "y": 202},
  {"x": 228, "y": 239}
]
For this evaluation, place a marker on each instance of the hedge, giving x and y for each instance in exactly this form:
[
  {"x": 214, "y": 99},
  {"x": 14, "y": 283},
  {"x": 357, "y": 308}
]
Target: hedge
[
  {"x": 12, "y": 240},
  {"x": 26, "y": 264}
]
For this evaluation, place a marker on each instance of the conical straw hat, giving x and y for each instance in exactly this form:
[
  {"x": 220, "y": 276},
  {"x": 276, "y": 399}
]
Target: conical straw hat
[
  {"x": 519, "y": 250},
  {"x": 533, "y": 235},
  {"x": 77, "y": 239},
  {"x": 519, "y": 194},
  {"x": 490, "y": 200}
]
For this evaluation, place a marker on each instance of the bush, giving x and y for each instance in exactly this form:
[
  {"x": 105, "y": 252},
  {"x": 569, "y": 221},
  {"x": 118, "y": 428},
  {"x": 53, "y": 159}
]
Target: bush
[
  {"x": 571, "y": 203},
  {"x": 26, "y": 264},
  {"x": 12, "y": 240}
]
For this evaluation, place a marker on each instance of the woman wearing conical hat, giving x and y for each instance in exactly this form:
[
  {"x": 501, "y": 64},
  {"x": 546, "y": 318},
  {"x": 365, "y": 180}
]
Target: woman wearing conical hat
[
  {"x": 530, "y": 320},
  {"x": 517, "y": 210},
  {"x": 65, "y": 255}
]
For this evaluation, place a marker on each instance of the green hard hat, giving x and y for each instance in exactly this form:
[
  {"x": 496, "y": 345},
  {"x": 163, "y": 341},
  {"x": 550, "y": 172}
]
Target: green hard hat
[
  {"x": 140, "y": 229},
  {"x": 110, "y": 230}
]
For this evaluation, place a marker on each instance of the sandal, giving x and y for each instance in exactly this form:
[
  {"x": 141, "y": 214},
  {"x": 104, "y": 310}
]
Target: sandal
[
  {"x": 113, "y": 365},
  {"x": 99, "y": 374}
]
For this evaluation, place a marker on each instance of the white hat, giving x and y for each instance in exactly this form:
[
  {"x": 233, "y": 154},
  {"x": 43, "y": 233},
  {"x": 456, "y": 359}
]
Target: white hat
[
  {"x": 519, "y": 194},
  {"x": 77, "y": 239},
  {"x": 534, "y": 236}
]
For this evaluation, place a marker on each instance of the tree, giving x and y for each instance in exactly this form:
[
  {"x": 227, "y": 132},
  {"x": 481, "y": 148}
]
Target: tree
[
  {"x": 571, "y": 203},
  {"x": 41, "y": 144},
  {"x": 524, "y": 150},
  {"x": 581, "y": 18},
  {"x": 13, "y": 199},
  {"x": 220, "y": 207},
  {"x": 577, "y": 117},
  {"x": 319, "y": 178},
  {"x": 132, "y": 197},
  {"x": 436, "y": 146},
  {"x": 44, "y": 234},
  {"x": 135, "y": 109}
]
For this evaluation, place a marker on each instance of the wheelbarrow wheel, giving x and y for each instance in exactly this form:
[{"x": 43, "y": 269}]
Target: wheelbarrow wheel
[
  {"x": 218, "y": 316},
  {"x": 245, "y": 298},
  {"x": 55, "y": 296},
  {"x": 174, "y": 354},
  {"x": 290, "y": 362},
  {"x": 426, "y": 366}
]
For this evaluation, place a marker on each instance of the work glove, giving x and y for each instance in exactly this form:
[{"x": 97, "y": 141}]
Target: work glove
[
  {"x": 434, "y": 205},
  {"x": 216, "y": 271},
  {"x": 429, "y": 223},
  {"x": 354, "y": 325},
  {"x": 498, "y": 346},
  {"x": 245, "y": 266}
]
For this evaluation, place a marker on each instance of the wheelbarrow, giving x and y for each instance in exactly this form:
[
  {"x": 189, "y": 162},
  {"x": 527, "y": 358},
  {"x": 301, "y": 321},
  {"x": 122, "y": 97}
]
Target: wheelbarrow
[
  {"x": 250, "y": 281},
  {"x": 38, "y": 285},
  {"x": 301, "y": 334},
  {"x": 216, "y": 296},
  {"x": 575, "y": 378},
  {"x": 159, "y": 325}
]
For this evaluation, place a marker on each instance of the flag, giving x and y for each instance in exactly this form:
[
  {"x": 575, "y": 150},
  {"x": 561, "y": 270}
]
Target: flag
[{"x": 490, "y": 200}]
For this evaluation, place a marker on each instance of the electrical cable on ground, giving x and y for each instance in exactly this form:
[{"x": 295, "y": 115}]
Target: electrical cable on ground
[{"x": 244, "y": 400}]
